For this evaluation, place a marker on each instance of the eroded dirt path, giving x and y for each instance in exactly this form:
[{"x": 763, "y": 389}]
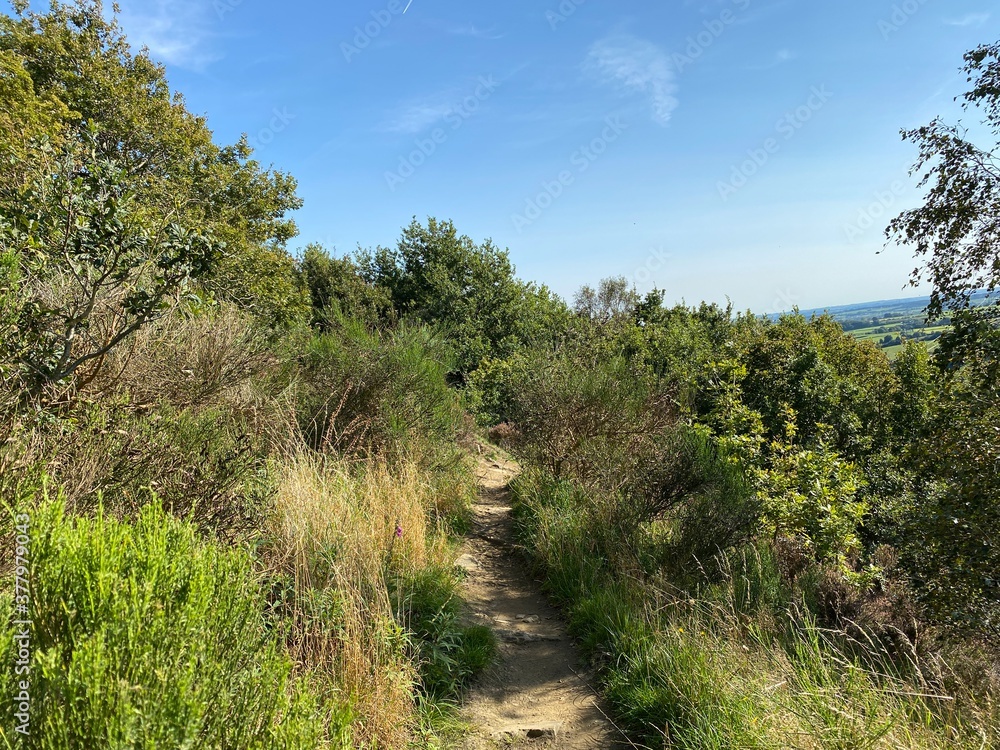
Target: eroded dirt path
[{"x": 538, "y": 694}]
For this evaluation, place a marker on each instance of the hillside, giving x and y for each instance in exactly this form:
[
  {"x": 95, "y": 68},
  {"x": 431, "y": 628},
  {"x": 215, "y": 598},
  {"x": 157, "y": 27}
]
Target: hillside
[
  {"x": 261, "y": 495},
  {"x": 890, "y": 323}
]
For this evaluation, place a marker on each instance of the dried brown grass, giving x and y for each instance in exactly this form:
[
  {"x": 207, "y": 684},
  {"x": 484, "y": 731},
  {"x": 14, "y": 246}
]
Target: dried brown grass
[
  {"x": 186, "y": 360},
  {"x": 350, "y": 530}
]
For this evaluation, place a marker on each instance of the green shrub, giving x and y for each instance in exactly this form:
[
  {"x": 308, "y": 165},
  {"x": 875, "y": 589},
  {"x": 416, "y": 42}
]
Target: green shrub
[
  {"x": 449, "y": 654},
  {"x": 361, "y": 391},
  {"x": 581, "y": 417},
  {"x": 144, "y": 636},
  {"x": 491, "y": 389}
]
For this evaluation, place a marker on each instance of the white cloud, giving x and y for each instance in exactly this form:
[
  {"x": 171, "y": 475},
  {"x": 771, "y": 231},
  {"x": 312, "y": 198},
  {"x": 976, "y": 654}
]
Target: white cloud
[
  {"x": 637, "y": 66},
  {"x": 176, "y": 32},
  {"x": 972, "y": 19},
  {"x": 416, "y": 118}
]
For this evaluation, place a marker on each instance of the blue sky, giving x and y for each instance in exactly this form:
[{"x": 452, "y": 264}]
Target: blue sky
[{"x": 713, "y": 148}]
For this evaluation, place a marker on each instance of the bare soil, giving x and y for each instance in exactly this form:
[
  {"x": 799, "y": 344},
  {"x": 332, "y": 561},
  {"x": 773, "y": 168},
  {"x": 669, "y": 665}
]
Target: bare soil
[{"x": 538, "y": 694}]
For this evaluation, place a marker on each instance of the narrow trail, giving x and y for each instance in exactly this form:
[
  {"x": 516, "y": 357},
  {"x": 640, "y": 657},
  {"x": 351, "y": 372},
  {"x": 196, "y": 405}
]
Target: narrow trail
[{"x": 537, "y": 695}]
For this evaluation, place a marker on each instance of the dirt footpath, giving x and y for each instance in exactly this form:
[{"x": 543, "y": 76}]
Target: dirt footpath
[{"x": 538, "y": 694}]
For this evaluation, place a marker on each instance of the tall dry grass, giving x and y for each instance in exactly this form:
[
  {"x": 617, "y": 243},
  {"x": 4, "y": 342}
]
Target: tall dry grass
[{"x": 344, "y": 532}]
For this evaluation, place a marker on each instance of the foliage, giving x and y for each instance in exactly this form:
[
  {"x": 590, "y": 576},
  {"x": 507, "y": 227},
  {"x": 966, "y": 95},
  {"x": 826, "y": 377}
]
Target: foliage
[
  {"x": 364, "y": 390},
  {"x": 613, "y": 299},
  {"x": 440, "y": 278},
  {"x": 812, "y": 496},
  {"x": 91, "y": 271},
  {"x": 776, "y": 487},
  {"x": 957, "y": 228},
  {"x": 337, "y": 290},
  {"x": 733, "y": 663},
  {"x": 573, "y": 411},
  {"x": 25, "y": 118},
  {"x": 83, "y": 75},
  {"x": 142, "y": 634},
  {"x": 824, "y": 379},
  {"x": 948, "y": 529},
  {"x": 449, "y": 654},
  {"x": 947, "y": 523}
]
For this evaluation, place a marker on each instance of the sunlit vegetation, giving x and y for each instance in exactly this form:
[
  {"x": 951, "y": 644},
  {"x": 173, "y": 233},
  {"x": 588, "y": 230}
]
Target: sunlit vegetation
[{"x": 248, "y": 468}]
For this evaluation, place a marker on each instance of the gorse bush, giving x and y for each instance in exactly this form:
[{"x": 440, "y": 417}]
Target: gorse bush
[
  {"x": 576, "y": 414},
  {"x": 144, "y": 635},
  {"x": 363, "y": 391}
]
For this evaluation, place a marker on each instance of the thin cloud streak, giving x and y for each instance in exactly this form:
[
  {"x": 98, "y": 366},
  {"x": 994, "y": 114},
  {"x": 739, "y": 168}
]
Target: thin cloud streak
[
  {"x": 972, "y": 19},
  {"x": 637, "y": 66},
  {"x": 415, "y": 118}
]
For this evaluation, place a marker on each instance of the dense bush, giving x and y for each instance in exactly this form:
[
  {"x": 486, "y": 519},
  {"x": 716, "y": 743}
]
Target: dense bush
[
  {"x": 576, "y": 413},
  {"x": 361, "y": 390},
  {"x": 469, "y": 291},
  {"x": 144, "y": 635}
]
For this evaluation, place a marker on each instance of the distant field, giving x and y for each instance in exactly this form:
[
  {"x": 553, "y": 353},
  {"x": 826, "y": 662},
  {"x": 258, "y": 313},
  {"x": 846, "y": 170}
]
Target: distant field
[{"x": 889, "y": 323}]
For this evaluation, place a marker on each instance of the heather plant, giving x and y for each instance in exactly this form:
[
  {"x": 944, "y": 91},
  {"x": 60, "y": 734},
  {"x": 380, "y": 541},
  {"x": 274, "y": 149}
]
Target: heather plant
[{"x": 142, "y": 633}]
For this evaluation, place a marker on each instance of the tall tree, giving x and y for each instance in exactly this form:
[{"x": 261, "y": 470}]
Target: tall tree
[
  {"x": 441, "y": 278},
  {"x": 956, "y": 232},
  {"x": 74, "y": 62}
]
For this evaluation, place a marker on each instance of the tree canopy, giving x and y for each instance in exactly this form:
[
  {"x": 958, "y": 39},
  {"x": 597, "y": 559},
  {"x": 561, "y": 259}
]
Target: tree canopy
[
  {"x": 956, "y": 232},
  {"x": 70, "y": 70}
]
